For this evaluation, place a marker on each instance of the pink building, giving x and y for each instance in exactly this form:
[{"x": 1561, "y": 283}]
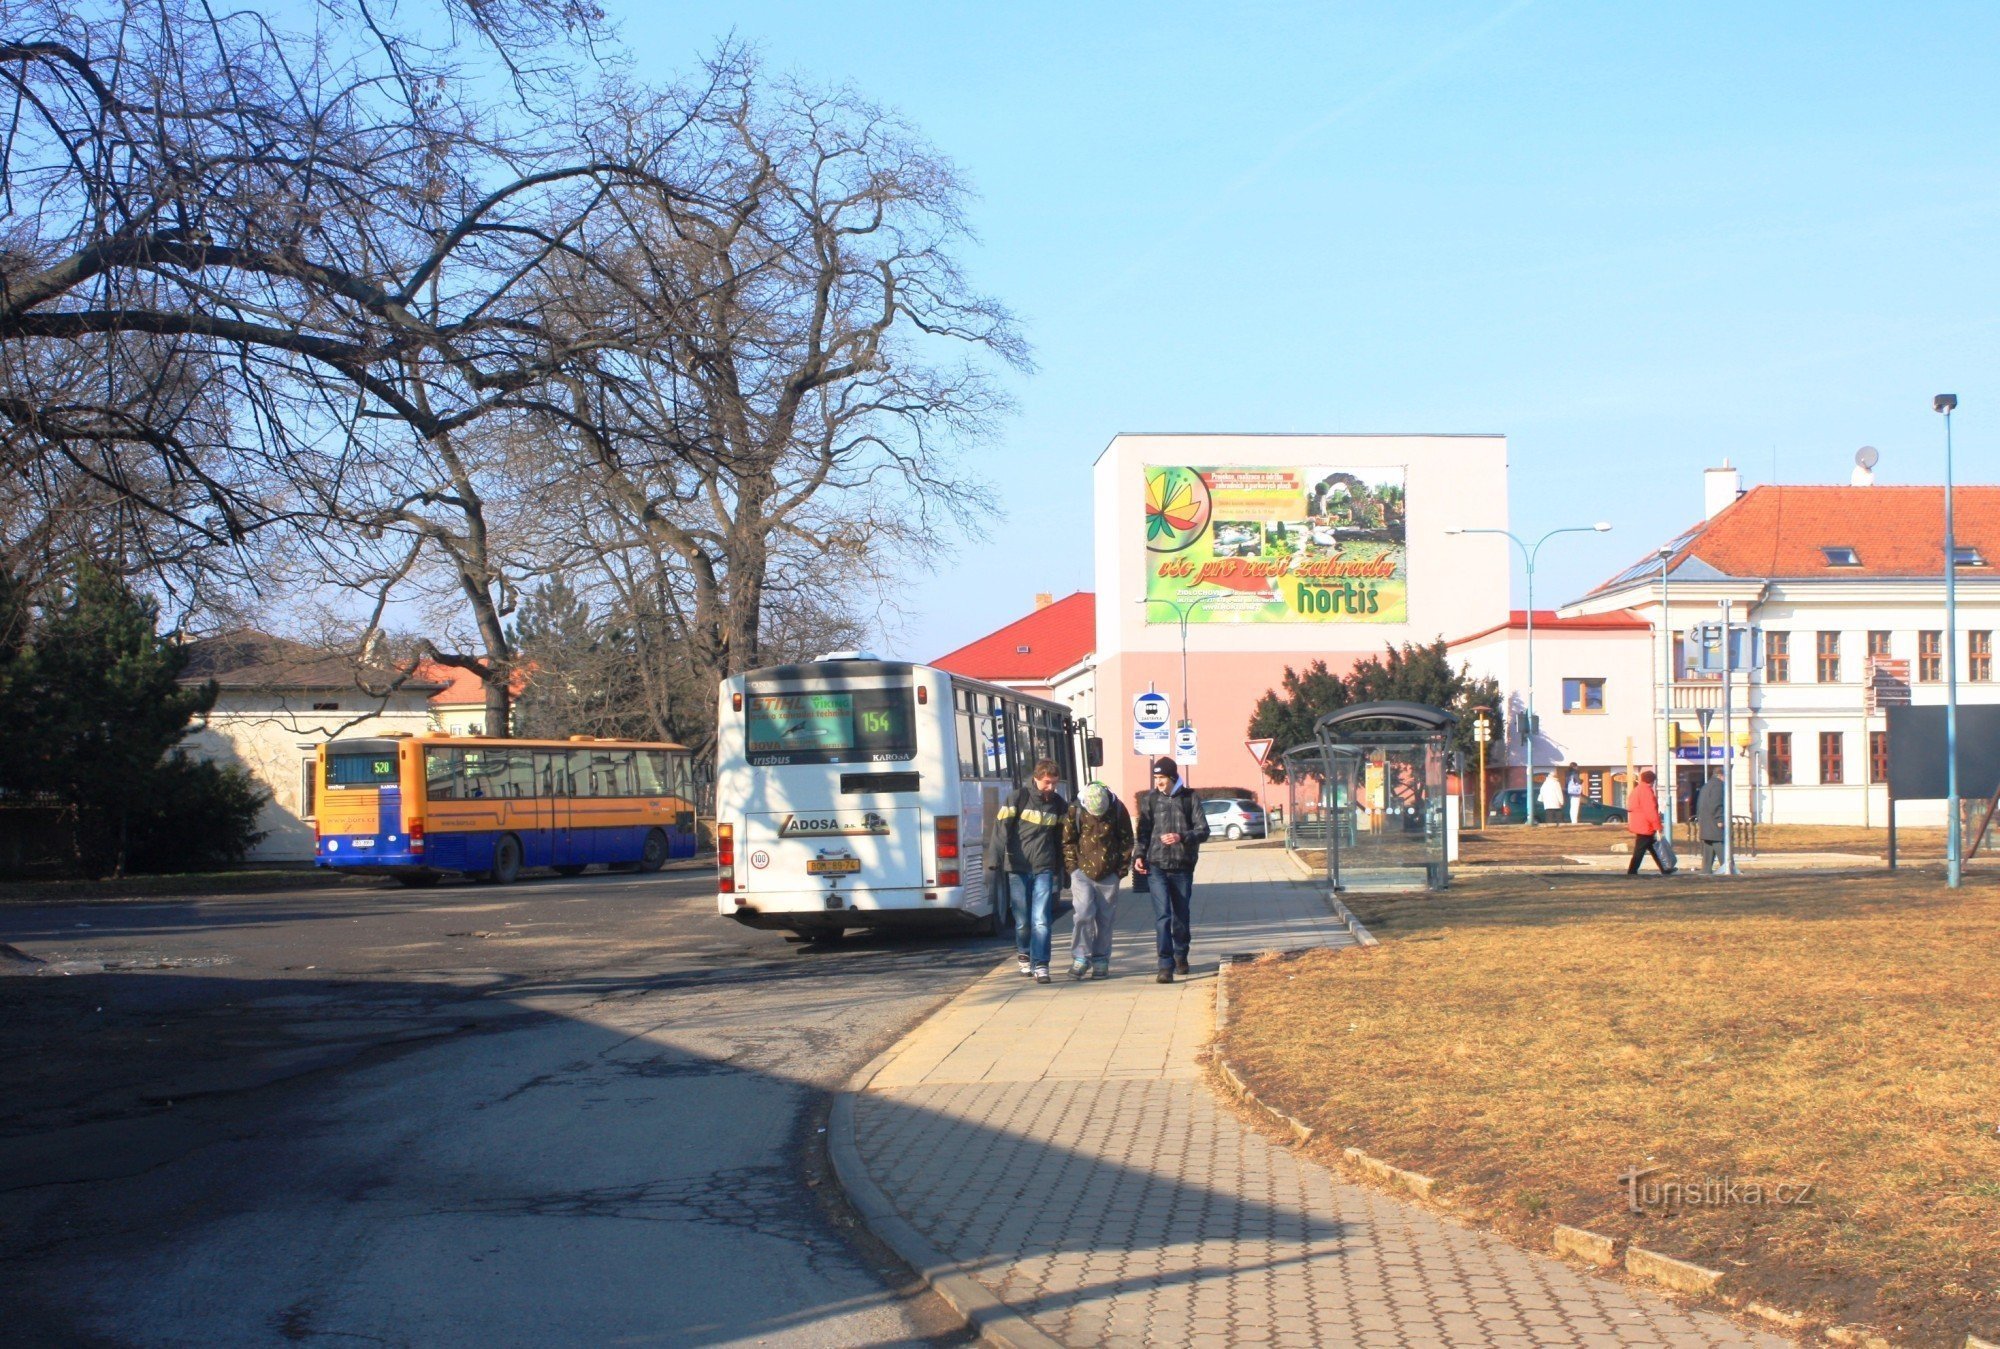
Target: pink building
[{"x": 1222, "y": 559}]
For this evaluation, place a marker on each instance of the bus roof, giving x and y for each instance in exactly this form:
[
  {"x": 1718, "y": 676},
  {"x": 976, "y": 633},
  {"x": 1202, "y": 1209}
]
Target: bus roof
[
  {"x": 368, "y": 744},
  {"x": 817, "y": 669}
]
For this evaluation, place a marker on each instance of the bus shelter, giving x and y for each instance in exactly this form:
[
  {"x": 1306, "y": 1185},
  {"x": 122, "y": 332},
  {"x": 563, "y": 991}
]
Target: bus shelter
[{"x": 1371, "y": 789}]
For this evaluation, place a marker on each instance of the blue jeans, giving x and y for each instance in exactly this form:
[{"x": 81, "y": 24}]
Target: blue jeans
[
  {"x": 1033, "y": 897},
  {"x": 1170, "y": 892}
]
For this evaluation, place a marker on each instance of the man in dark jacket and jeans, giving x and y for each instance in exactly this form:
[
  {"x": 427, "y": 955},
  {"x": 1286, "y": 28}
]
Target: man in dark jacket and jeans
[
  {"x": 1028, "y": 846},
  {"x": 1171, "y": 829}
]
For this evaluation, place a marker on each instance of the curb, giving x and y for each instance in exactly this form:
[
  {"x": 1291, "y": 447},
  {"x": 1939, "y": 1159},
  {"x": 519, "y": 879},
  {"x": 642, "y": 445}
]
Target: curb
[
  {"x": 988, "y": 1317},
  {"x": 1354, "y": 927}
]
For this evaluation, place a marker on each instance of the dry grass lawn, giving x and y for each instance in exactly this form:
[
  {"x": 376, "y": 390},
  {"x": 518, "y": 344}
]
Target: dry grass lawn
[{"x": 1528, "y": 1038}]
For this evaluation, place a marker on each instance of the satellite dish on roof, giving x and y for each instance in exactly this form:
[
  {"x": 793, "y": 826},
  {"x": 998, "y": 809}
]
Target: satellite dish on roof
[
  {"x": 1865, "y": 460},
  {"x": 1867, "y": 456}
]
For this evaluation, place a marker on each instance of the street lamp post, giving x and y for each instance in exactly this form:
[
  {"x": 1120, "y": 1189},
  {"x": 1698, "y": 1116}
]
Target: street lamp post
[
  {"x": 1182, "y": 612},
  {"x": 1528, "y": 555},
  {"x": 1667, "y": 698},
  {"x": 1946, "y": 403}
]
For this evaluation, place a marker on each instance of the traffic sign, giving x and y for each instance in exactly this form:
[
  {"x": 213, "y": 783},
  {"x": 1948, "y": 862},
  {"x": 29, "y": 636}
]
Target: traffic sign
[
  {"x": 1150, "y": 736},
  {"x": 1260, "y": 750},
  {"x": 1184, "y": 744}
]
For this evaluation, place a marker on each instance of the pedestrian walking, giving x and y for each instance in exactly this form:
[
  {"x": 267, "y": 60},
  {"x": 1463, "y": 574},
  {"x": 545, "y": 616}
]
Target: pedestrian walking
[
  {"x": 1575, "y": 795},
  {"x": 1170, "y": 830},
  {"x": 1097, "y": 850},
  {"x": 1642, "y": 817},
  {"x": 1026, "y": 844},
  {"x": 1708, "y": 804},
  {"x": 1553, "y": 797}
]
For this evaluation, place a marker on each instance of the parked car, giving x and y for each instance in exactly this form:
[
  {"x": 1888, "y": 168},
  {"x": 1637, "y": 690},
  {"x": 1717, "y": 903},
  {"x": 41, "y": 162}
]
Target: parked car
[
  {"x": 1511, "y": 807},
  {"x": 1234, "y": 819}
]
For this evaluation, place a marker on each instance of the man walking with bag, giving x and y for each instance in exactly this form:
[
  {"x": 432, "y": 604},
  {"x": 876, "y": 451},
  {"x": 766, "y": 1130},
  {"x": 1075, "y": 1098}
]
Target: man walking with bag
[
  {"x": 1097, "y": 848},
  {"x": 1171, "y": 830},
  {"x": 1642, "y": 818}
]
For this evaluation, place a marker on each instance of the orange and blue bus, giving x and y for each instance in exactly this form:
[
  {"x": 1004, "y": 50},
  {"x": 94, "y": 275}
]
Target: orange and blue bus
[{"x": 419, "y": 807}]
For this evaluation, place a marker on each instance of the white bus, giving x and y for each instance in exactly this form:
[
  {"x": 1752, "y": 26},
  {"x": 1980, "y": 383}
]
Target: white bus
[{"x": 853, "y": 792}]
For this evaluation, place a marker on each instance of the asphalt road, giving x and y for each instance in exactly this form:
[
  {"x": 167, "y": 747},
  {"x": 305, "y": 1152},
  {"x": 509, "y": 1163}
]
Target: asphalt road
[{"x": 578, "y": 1111}]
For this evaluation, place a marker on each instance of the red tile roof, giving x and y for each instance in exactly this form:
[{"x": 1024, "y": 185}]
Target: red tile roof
[
  {"x": 1780, "y": 531},
  {"x": 1037, "y": 647},
  {"x": 463, "y": 687},
  {"x": 1618, "y": 620}
]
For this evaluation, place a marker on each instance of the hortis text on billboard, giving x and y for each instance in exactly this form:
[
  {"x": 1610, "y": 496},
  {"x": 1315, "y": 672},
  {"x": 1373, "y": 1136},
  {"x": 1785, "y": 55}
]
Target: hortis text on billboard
[{"x": 1276, "y": 545}]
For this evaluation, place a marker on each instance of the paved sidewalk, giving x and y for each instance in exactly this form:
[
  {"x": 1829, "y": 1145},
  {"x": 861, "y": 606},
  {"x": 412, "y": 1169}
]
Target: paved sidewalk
[{"x": 1057, "y": 1147}]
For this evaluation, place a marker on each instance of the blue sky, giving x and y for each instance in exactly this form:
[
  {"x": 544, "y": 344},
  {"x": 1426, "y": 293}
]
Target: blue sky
[{"x": 1634, "y": 239}]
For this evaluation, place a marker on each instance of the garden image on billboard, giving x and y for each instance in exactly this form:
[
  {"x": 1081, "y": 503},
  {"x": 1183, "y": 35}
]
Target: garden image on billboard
[{"x": 1276, "y": 545}]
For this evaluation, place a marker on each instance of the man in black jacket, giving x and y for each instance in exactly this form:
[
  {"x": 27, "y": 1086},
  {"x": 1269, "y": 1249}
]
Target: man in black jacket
[
  {"x": 1027, "y": 846},
  {"x": 1171, "y": 829}
]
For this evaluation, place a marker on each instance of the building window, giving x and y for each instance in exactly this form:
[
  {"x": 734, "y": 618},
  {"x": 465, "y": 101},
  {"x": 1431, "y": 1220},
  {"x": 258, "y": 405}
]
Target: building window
[
  {"x": 1979, "y": 657},
  {"x": 1777, "y": 658},
  {"x": 1679, "y": 654},
  {"x": 1930, "y": 657},
  {"x": 1878, "y": 643},
  {"x": 1967, "y": 555},
  {"x": 1828, "y": 650},
  {"x": 1841, "y": 557},
  {"x": 1878, "y": 756},
  {"x": 1830, "y": 767},
  {"x": 1583, "y": 695},
  {"x": 1778, "y": 754},
  {"x": 308, "y": 801},
  {"x": 326, "y": 707}
]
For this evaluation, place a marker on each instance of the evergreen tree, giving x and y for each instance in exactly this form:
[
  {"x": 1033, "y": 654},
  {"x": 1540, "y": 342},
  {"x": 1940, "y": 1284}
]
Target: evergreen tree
[
  {"x": 97, "y": 707},
  {"x": 1411, "y": 673}
]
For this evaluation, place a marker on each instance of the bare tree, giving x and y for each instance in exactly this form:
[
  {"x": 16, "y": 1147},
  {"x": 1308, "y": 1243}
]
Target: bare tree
[{"x": 784, "y": 359}]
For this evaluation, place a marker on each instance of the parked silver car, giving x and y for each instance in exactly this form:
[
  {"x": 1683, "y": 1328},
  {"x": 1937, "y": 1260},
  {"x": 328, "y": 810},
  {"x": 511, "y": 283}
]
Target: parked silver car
[{"x": 1234, "y": 819}]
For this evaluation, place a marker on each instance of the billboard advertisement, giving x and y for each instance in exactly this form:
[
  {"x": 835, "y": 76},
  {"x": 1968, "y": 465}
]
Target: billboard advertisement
[{"x": 1276, "y": 545}]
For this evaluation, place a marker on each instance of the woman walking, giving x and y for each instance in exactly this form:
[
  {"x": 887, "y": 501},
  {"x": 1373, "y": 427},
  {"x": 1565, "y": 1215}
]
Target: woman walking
[{"x": 1642, "y": 817}]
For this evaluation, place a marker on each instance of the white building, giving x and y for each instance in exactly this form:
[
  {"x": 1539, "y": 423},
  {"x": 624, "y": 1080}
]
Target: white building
[
  {"x": 279, "y": 701},
  {"x": 1594, "y": 692},
  {"x": 1839, "y": 582}
]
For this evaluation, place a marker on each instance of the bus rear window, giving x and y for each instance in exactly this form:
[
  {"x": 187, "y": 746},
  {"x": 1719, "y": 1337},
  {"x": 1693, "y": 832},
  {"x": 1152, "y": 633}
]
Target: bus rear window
[
  {"x": 361, "y": 770},
  {"x": 829, "y": 726}
]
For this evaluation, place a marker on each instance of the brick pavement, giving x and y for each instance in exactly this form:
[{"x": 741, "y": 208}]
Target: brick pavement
[{"x": 1058, "y": 1145}]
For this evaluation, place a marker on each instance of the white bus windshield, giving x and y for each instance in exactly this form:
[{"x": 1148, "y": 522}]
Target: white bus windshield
[{"x": 805, "y": 726}]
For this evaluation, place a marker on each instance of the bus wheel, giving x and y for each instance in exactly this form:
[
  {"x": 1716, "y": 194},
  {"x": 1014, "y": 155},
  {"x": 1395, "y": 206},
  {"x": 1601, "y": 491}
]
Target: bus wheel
[
  {"x": 654, "y": 855},
  {"x": 421, "y": 880},
  {"x": 506, "y": 861}
]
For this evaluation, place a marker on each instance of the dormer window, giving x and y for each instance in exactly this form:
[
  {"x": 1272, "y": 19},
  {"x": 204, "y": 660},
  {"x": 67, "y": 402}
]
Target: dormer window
[
  {"x": 1022, "y": 650},
  {"x": 1967, "y": 556},
  {"x": 1841, "y": 557}
]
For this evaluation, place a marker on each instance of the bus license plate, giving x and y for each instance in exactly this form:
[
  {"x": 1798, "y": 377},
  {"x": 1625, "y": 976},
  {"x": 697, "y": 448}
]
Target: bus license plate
[{"x": 833, "y": 866}]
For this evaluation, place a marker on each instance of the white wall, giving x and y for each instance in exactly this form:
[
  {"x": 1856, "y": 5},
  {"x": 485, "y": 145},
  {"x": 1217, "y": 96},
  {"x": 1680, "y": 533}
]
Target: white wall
[
  {"x": 262, "y": 732},
  {"x": 1593, "y": 740}
]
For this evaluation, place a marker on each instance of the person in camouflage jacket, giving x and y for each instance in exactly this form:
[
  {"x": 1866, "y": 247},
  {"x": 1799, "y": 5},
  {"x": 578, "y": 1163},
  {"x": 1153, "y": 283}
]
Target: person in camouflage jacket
[{"x": 1097, "y": 850}]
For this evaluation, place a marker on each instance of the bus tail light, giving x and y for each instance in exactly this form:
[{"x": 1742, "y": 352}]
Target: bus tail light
[
  {"x": 416, "y": 836},
  {"x": 947, "y": 850},
  {"x": 725, "y": 859}
]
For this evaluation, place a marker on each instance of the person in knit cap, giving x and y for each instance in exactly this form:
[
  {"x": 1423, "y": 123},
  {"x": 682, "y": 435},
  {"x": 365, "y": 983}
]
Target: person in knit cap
[
  {"x": 1097, "y": 848},
  {"x": 1170, "y": 829}
]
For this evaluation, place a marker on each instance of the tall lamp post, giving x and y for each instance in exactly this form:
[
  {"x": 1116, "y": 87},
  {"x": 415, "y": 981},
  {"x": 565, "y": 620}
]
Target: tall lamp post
[
  {"x": 1528, "y": 555},
  {"x": 1667, "y": 696},
  {"x": 1182, "y": 612},
  {"x": 1945, "y": 403}
]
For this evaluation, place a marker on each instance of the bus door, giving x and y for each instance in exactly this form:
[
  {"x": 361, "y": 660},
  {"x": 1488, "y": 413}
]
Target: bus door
[{"x": 552, "y": 806}]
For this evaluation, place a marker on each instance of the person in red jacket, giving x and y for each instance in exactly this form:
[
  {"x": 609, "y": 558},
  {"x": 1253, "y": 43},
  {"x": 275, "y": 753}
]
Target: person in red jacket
[{"x": 1642, "y": 817}]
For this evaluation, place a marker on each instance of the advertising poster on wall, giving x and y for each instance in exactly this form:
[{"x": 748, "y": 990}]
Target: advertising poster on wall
[{"x": 1276, "y": 545}]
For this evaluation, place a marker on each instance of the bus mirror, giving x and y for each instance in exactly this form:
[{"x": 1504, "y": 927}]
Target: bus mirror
[{"x": 1093, "y": 750}]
